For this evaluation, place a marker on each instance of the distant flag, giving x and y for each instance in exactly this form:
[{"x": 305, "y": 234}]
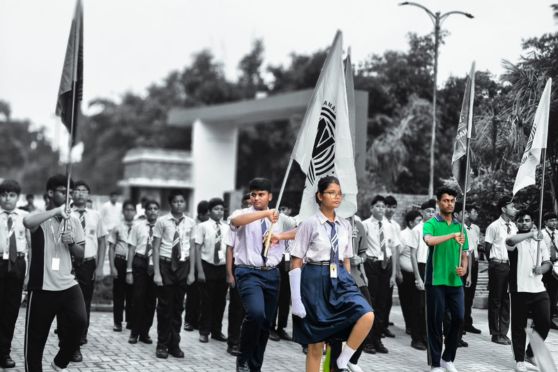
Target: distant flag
[
  {"x": 71, "y": 84},
  {"x": 537, "y": 141},
  {"x": 324, "y": 146},
  {"x": 464, "y": 131}
]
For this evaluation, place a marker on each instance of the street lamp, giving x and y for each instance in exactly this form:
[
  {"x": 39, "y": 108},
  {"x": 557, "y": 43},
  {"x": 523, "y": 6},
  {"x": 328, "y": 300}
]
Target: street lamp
[{"x": 437, "y": 19}]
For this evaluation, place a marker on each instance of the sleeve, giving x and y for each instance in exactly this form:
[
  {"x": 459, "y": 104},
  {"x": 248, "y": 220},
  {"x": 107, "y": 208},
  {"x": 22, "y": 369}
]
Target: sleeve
[
  {"x": 466, "y": 244},
  {"x": 349, "y": 248},
  {"x": 546, "y": 238},
  {"x": 428, "y": 228},
  {"x": 490, "y": 234},
  {"x": 101, "y": 229},
  {"x": 79, "y": 234},
  {"x": 228, "y": 238},
  {"x": 199, "y": 234},
  {"x": 234, "y": 214},
  {"x": 158, "y": 229},
  {"x": 113, "y": 236},
  {"x": 361, "y": 238},
  {"x": 414, "y": 238},
  {"x": 545, "y": 253},
  {"x": 396, "y": 231},
  {"x": 133, "y": 237},
  {"x": 302, "y": 239}
]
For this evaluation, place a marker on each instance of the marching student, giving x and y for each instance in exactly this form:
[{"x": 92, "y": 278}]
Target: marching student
[
  {"x": 256, "y": 275},
  {"x": 528, "y": 294},
  {"x": 325, "y": 299},
  {"x": 118, "y": 252},
  {"x": 91, "y": 267},
  {"x": 382, "y": 243},
  {"x": 211, "y": 264},
  {"x": 56, "y": 236},
  {"x": 173, "y": 260},
  {"x": 550, "y": 235},
  {"x": 14, "y": 243},
  {"x": 498, "y": 271},
  {"x": 443, "y": 284},
  {"x": 391, "y": 207},
  {"x": 140, "y": 272}
]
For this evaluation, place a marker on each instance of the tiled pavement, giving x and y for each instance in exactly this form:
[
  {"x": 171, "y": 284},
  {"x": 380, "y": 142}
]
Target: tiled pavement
[{"x": 110, "y": 351}]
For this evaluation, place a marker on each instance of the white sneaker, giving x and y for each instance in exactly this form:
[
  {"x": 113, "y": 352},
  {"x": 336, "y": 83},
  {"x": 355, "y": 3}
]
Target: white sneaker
[
  {"x": 437, "y": 369},
  {"x": 56, "y": 368},
  {"x": 354, "y": 368},
  {"x": 448, "y": 366},
  {"x": 521, "y": 367}
]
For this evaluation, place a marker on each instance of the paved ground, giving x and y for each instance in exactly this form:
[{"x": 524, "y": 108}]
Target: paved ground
[{"x": 108, "y": 350}]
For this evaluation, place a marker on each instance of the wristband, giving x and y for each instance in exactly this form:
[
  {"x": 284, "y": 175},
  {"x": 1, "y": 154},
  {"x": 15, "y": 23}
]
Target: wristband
[{"x": 129, "y": 271}]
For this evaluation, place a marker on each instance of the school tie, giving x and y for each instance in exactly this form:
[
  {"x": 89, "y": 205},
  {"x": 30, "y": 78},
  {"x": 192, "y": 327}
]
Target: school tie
[
  {"x": 334, "y": 240},
  {"x": 175, "y": 254},
  {"x": 552, "y": 247},
  {"x": 264, "y": 230},
  {"x": 508, "y": 228},
  {"x": 472, "y": 251},
  {"x": 383, "y": 245},
  {"x": 82, "y": 218},
  {"x": 217, "y": 244},
  {"x": 149, "y": 245},
  {"x": 12, "y": 247}
]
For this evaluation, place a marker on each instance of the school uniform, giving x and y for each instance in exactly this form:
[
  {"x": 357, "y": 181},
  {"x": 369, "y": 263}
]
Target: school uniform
[
  {"x": 528, "y": 294},
  {"x": 174, "y": 256},
  {"x": 421, "y": 250},
  {"x": 94, "y": 229},
  {"x": 257, "y": 280},
  {"x": 236, "y": 310},
  {"x": 144, "y": 292},
  {"x": 53, "y": 292},
  {"x": 333, "y": 302},
  {"x": 210, "y": 237},
  {"x": 193, "y": 301},
  {"x": 473, "y": 234},
  {"x": 14, "y": 242},
  {"x": 498, "y": 276},
  {"x": 550, "y": 282},
  {"x": 284, "y": 303},
  {"x": 397, "y": 230},
  {"x": 380, "y": 238}
]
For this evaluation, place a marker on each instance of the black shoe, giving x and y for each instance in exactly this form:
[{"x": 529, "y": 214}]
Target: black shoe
[
  {"x": 133, "y": 339},
  {"x": 161, "y": 352},
  {"x": 242, "y": 366},
  {"x": 188, "y": 327},
  {"x": 418, "y": 345},
  {"x": 77, "y": 357},
  {"x": 83, "y": 341},
  {"x": 369, "y": 349},
  {"x": 7, "y": 362},
  {"x": 499, "y": 340},
  {"x": 117, "y": 328},
  {"x": 380, "y": 348},
  {"x": 273, "y": 336},
  {"x": 204, "y": 339},
  {"x": 461, "y": 343},
  {"x": 234, "y": 350},
  {"x": 472, "y": 329},
  {"x": 284, "y": 335},
  {"x": 176, "y": 352},
  {"x": 146, "y": 339},
  {"x": 219, "y": 337},
  {"x": 507, "y": 339},
  {"x": 388, "y": 333}
]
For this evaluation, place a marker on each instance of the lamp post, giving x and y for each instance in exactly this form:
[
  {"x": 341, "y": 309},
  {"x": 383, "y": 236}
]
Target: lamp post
[{"x": 437, "y": 19}]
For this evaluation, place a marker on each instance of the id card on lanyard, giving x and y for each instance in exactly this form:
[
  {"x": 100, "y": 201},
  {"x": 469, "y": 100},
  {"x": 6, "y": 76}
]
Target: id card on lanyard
[{"x": 55, "y": 262}]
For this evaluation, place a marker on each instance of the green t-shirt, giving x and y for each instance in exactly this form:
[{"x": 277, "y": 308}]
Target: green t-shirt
[{"x": 443, "y": 258}]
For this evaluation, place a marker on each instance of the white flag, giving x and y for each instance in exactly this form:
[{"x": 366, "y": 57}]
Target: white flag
[
  {"x": 324, "y": 146},
  {"x": 537, "y": 141}
]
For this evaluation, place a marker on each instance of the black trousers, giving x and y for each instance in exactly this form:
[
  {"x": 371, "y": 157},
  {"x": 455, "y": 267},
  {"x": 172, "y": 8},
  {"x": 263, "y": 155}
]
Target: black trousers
[
  {"x": 170, "y": 303},
  {"x": 551, "y": 285},
  {"x": 11, "y": 287},
  {"x": 522, "y": 304},
  {"x": 470, "y": 292},
  {"x": 282, "y": 318},
  {"x": 409, "y": 297},
  {"x": 378, "y": 287},
  {"x": 498, "y": 298},
  {"x": 193, "y": 301},
  {"x": 213, "y": 298},
  {"x": 236, "y": 315},
  {"x": 421, "y": 307},
  {"x": 69, "y": 308},
  {"x": 85, "y": 275},
  {"x": 122, "y": 294},
  {"x": 144, "y": 296}
]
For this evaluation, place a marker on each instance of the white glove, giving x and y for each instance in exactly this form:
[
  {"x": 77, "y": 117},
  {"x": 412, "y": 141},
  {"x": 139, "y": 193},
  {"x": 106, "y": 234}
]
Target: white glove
[{"x": 296, "y": 301}]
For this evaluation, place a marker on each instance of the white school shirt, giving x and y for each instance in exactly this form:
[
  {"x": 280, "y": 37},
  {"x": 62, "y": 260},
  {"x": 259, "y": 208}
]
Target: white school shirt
[
  {"x": 206, "y": 233},
  {"x": 22, "y": 236},
  {"x": 119, "y": 237},
  {"x": 419, "y": 244},
  {"x": 405, "y": 252},
  {"x": 551, "y": 244},
  {"x": 312, "y": 241},
  {"x": 94, "y": 229},
  {"x": 496, "y": 234},
  {"x": 523, "y": 258},
  {"x": 165, "y": 228},
  {"x": 473, "y": 238},
  {"x": 371, "y": 226},
  {"x": 111, "y": 215}
]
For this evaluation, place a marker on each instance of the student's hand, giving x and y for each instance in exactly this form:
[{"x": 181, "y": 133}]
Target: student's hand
[
  {"x": 537, "y": 235},
  {"x": 468, "y": 282},
  {"x": 62, "y": 212},
  {"x": 399, "y": 276},
  {"x": 230, "y": 280},
  {"x": 419, "y": 284},
  {"x": 191, "y": 278},
  {"x": 129, "y": 278},
  {"x": 275, "y": 238},
  {"x": 67, "y": 238},
  {"x": 113, "y": 272},
  {"x": 158, "y": 280},
  {"x": 273, "y": 215},
  {"x": 461, "y": 271},
  {"x": 392, "y": 281},
  {"x": 460, "y": 238},
  {"x": 538, "y": 270},
  {"x": 201, "y": 277},
  {"x": 99, "y": 273}
]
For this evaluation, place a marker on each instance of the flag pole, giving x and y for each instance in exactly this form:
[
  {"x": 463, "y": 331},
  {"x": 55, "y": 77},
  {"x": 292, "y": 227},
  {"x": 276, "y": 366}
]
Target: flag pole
[
  {"x": 467, "y": 164},
  {"x": 541, "y": 205}
]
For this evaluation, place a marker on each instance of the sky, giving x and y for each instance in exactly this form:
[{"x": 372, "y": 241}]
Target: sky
[{"x": 130, "y": 44}]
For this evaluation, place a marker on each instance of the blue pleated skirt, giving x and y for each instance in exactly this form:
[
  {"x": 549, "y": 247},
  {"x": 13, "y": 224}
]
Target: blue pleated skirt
[{"x": 331, "y": 311}]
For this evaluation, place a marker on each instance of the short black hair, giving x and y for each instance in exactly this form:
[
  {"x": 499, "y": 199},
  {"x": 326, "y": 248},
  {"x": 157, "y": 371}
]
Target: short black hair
[
  {"x": 458, "y": 207},
  {"x": 377, "y": 199},
  {"x": 525, "y": 212},
  {"x": 126, "y": 203},
  {"x": 323, "y": 184},
  {"x": 82, "y": 183},
  {"x": 213, "y": 202},
  {"x": 549, "y": 215},
  {"x": 203, "y": 207},
  {"x": 431, "y": 203},
  {"x": 260, "y": 184},
  {"x": 503, "y": 202},
  {"x": 445, "y": 190},
  {"x": 246, "y": 197},
  {"x": 410, "y": 216},
  {"x": 57, "y": 181},
  {"x": 390, "y": 200},
  {"x": 174, "y": 193},
  {"x": 29, "y": 196},
  {"x": 149, "y": 202},
  {"x": 114, "y": 193},
  {"x": 10, "y": 186}
]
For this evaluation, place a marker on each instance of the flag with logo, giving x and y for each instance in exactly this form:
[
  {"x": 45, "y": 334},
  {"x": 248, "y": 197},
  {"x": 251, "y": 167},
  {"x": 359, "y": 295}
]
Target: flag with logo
[
  {"x": 324, "y": 146},
  {"x": 71, "y": 82},
  {"x": 460, "y": 158},
  {"x": 526, "y": 174}
]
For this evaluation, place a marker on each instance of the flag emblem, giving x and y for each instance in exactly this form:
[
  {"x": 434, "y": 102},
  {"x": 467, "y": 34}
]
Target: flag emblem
[{"x": 323, "y": 152}]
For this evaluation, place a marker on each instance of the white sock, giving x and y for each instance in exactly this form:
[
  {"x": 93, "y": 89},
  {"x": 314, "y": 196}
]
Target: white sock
[{"x": 345, "y": 356}]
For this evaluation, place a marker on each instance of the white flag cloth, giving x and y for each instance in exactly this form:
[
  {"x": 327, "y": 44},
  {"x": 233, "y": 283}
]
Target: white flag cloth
[
  {"x": 537, "y": 141},
  {"x": 324, "y": 146}
]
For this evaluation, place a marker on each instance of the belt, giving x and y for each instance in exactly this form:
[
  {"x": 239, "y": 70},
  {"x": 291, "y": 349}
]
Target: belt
[
  {"x": 374, "y": 259},
  {"x": 261, "y": 268},
  {"x": 321, "y": 263},
  {"x": 168, "y": 259},
  {"x": 498, "y": 261},
  {"x": 141, "y": 256},
  {"x": 121, "y": 256},
  {"x": 92, "y": 258},
  {"x": 18, "y": 255}
]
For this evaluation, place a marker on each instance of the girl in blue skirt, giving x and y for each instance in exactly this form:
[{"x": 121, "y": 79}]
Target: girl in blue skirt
[{"x": 325, "y": 299}]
